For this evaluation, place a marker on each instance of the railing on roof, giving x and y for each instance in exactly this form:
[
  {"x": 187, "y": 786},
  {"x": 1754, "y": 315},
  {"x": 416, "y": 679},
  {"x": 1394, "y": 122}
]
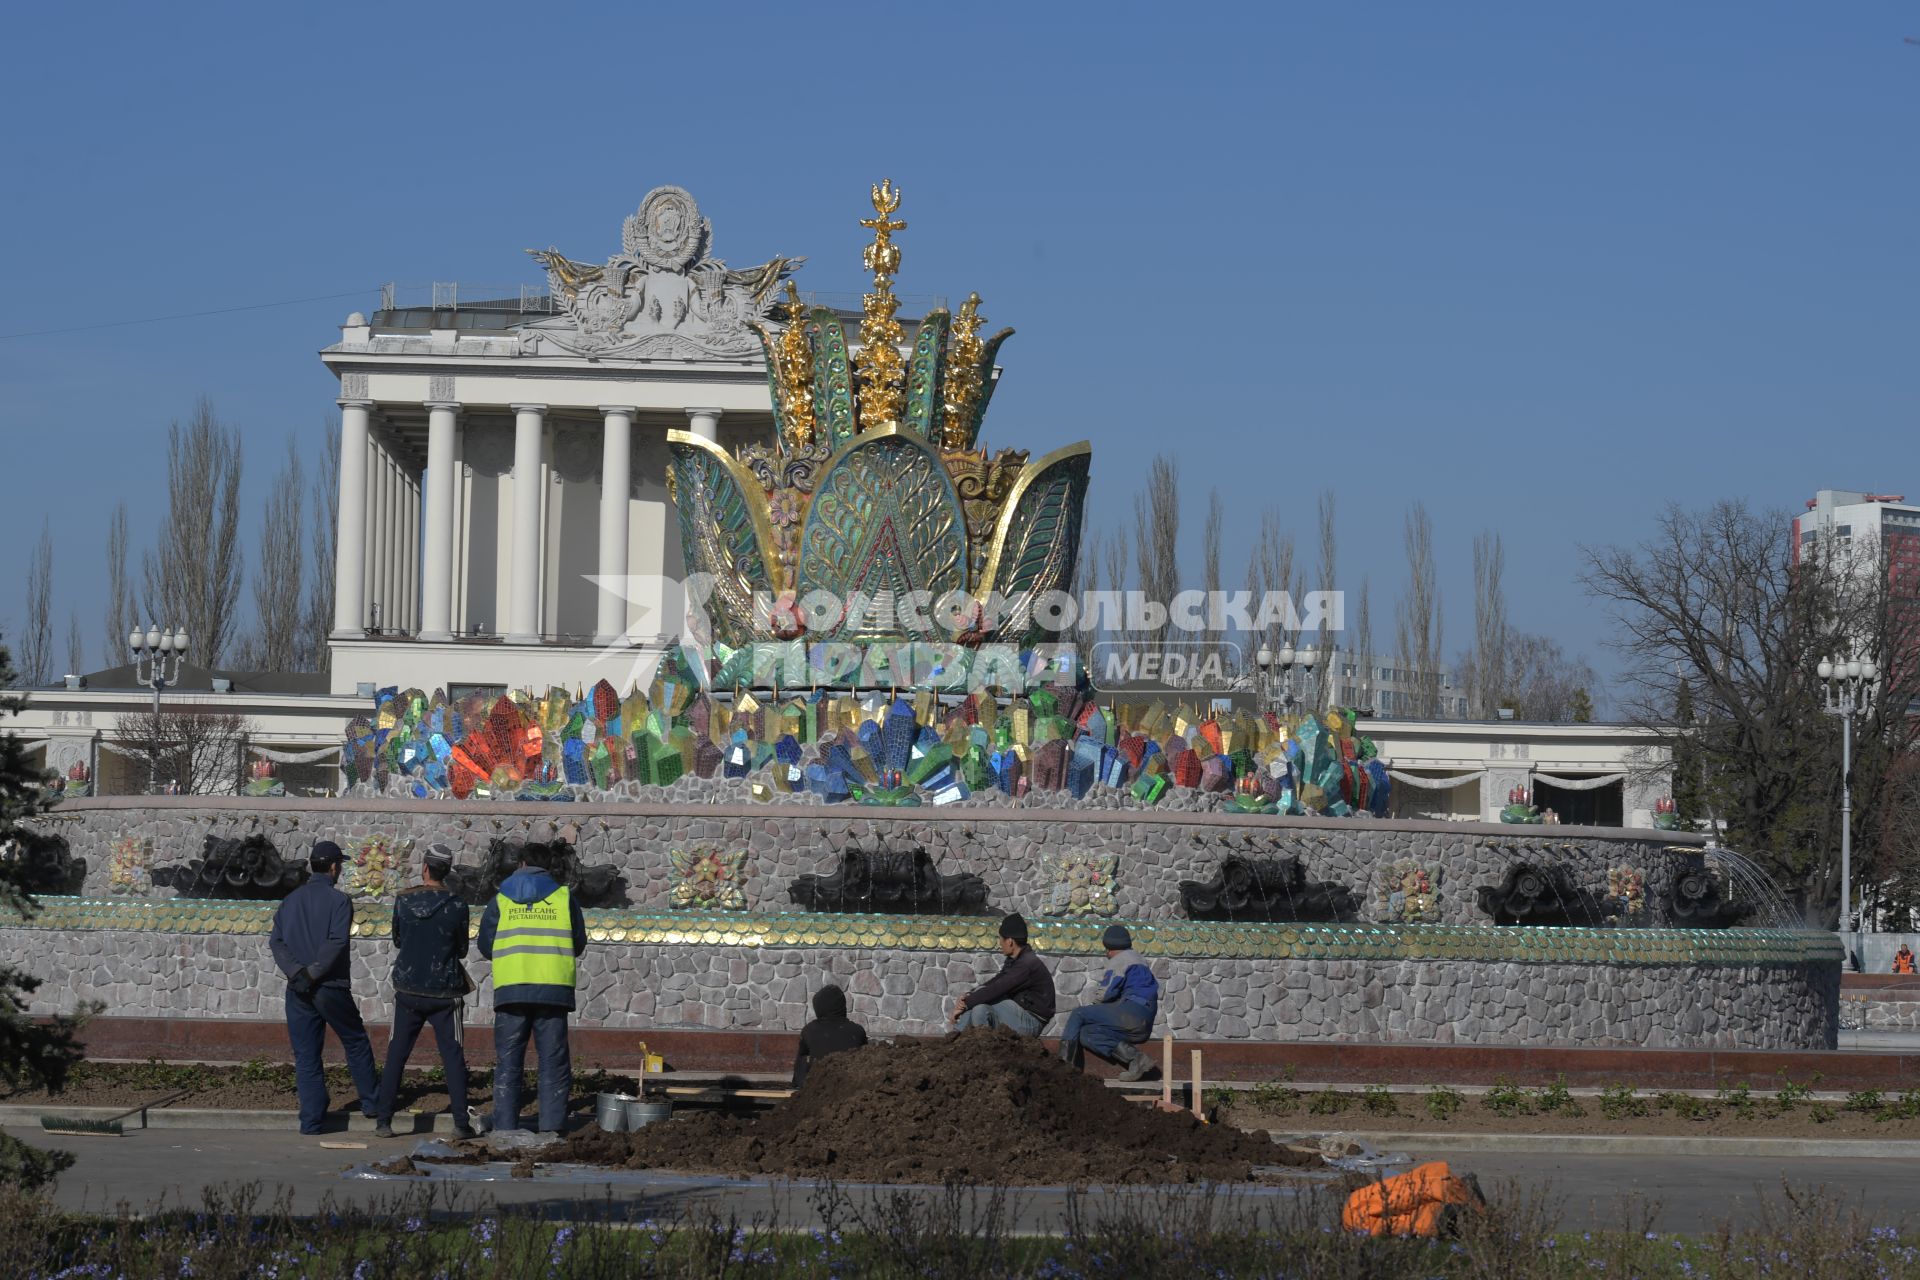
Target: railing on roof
[
  {"x": 533, "y": 299},
  {"x": 453, "y": 295}
]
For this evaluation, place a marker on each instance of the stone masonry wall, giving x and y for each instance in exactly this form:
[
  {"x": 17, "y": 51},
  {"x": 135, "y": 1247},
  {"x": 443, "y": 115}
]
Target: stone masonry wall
[
  {"x": 1012, "y": 848},
  {"x": 1784, "y": 1006}
]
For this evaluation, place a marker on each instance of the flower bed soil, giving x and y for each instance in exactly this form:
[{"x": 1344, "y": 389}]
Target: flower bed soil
[
  {"x": 984, "y": 1107},
  {"x": 254, "y": 1087}
]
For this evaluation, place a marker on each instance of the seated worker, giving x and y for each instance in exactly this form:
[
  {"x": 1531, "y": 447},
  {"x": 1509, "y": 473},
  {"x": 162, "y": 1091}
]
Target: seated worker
[
  {"x": 1903, "y": 959},
  {"x": 1019, "y": 997},
  {"x": 1123, "y": 1017},
  {"x": 831, "y": 1031}
]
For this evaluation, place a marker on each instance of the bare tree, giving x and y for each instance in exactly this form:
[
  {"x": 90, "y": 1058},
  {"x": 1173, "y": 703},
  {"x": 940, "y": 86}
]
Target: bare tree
[
  {"x": 278, "y": 603},
  {"x": 314, "y": 654},
  {"x": 1419, "y": 627},
  {"x": 193, "y": 578},
  {"x": 1156, "y": 541},
  {"x": 1542, "y": 683},
  {"x": 1270, "y": 571},
  {"x": 36, "y": 637},
  {"x": 197, "y": 748},
  {"x": 1363, "y": 647},
  {"x": 1210, "y": 573},
  {"x": 120, "y": 613},
  {"x": 1329, "y": 577},
  {"x": 76, "y": 645},
  {"x": 1711, "y": 615},
  {"x": 1486, "y": 669}
]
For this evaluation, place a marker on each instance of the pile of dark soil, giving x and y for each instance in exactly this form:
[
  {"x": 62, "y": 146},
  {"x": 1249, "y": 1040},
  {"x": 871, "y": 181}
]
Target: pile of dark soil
[{"x": 985, "y": 1107}]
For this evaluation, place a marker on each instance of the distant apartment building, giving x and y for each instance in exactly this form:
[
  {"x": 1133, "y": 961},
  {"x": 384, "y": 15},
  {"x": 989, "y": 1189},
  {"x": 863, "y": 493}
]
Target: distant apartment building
[
  {"x": 1379, "y": 682},
  {"x": 1840, "y": 520},
  {"x": 1839, "y": 523}
]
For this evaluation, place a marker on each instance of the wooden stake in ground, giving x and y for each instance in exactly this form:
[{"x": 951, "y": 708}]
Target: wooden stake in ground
[
  {"x": 1198, "y": 1112},
  {"x": 1166, "y": 1073}
]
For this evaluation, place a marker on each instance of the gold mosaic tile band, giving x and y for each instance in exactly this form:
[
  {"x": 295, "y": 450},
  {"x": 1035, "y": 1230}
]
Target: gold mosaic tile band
[{"x": 1176, "y": 939}]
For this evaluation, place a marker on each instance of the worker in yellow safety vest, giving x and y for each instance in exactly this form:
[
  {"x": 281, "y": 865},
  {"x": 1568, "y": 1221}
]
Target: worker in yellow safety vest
[{"x": 532, "y": 931}]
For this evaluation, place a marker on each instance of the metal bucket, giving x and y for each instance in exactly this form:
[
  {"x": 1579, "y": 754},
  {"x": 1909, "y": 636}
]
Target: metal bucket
[
  {"x": 610, "y": 1111},
  {"x": 641, "y": 1113}
]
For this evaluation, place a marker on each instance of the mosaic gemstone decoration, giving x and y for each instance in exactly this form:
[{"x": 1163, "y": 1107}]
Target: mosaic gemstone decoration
[
  {"x": 1734, "y": 948},
  {"x": 1627, "y": 888},
  {"x": 874, "y": 490},
  {"x": 914, "y": 748},
  {"x": 1408, "y": 891},
  {"x": 709, "y": 880},
  {"x": 1083, "y": 884},
  {"x": 375, "y": 867},
  {"x": 128, "y": 866}
]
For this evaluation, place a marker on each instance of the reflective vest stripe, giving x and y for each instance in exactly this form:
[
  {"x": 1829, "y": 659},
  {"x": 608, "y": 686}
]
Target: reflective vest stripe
[{"x": 522, "y": 954}]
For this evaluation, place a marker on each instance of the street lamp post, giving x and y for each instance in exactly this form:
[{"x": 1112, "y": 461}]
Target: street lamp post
[
  {"x": 1276, "y": 669},
  {"x": 157, "y": 655},
  {"x": 1848, "y": 691}
]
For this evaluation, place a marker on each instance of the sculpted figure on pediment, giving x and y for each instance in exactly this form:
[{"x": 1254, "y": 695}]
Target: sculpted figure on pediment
[{"x": 663, "y": 296}]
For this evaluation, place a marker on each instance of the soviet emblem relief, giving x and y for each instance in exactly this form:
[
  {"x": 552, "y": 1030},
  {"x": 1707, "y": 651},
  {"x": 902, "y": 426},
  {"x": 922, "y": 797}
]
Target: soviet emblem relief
[{"x": 662, "y": 297}]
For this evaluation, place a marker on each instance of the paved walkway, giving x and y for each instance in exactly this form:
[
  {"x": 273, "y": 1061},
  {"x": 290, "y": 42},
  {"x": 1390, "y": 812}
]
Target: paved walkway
[{"x": 1693, "y": 1194}]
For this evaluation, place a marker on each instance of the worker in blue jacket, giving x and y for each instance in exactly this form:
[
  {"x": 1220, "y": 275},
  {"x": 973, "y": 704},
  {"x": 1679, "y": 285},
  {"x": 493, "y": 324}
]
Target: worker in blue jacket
[
  {"x": 311, "y": 931},
  {"x": 1122, "y": 1019}
]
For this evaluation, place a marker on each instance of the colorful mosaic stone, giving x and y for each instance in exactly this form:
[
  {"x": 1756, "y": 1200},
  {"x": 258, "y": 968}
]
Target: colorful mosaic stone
[
  {"x": 1083, "y": 884},
  {"x": 1733, "y": 948},
  {"x": 129, "y": 867},
  {"x": 1408, "y": 891},
  {"x": 709, "y": 879},
  {"x": 375, "y": 867}
]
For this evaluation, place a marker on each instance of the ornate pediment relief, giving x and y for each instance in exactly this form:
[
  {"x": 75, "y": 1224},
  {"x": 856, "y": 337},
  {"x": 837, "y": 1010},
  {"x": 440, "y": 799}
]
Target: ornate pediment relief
[{"x": 663, "y": 296}]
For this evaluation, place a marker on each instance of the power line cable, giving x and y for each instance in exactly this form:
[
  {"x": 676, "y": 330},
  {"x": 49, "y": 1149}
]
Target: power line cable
[{"x": 188, "y": 315}]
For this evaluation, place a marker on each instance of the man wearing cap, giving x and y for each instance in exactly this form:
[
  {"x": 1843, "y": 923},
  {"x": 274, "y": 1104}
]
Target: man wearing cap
[
  {"x": 533, "y": 932},
  {"x": 1019, "y": 997},
  {"x": 429, "y": 985},
  {"x": 1123, "y": 1017},
  {"x": 311, "y": 931}
]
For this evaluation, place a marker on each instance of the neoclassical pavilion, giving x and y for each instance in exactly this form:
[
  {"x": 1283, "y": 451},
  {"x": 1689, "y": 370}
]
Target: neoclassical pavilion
[{"x": 503, "y": 500}]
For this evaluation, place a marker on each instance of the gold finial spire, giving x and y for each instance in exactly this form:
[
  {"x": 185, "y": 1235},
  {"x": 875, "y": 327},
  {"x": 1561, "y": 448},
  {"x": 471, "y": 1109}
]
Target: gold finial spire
[
  {"x": 882, "y": 392},
  {"x": 794, "y": 359},
  {"x": 962, "y": 390}
]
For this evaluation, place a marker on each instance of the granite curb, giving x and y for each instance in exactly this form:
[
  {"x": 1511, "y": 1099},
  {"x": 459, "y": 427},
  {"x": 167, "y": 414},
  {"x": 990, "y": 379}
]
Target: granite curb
[{"x": 1586, "y": 1144}]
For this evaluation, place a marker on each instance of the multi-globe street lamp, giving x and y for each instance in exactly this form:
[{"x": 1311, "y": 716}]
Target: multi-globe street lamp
[
  {"x": 157, "y": 655},
  {"x": 1276, "y": 671},
  {"x": 1847, "y": 688}
]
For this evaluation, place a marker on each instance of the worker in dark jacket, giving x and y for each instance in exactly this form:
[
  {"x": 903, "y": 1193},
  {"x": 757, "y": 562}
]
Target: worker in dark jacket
[
  {"x": 430, "y": 932},
  {"x": 831, "y": 1031},
  {"x": 311, "y": 930},
  {"x": 1019, "y": 997},
  {"x": 1122, "y": 1018},
  {"x": 533, "y": 932}
]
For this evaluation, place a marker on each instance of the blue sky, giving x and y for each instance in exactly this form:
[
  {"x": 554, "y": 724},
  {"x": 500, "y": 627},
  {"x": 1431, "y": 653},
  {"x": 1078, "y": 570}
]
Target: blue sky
[{"x": 1542, "y": 267}]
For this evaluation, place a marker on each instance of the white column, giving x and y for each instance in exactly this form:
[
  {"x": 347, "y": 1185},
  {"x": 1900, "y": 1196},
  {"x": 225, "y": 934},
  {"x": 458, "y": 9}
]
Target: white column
[
  {"x": 390, "y": 605},
  {"x": 616, "y": 486},
  {"x": 410, "y": 554},
  {"x": 523, "y": 614},
  {"x": 436, "y": 576},
  {"x": 379, "y": 579},
  {"x": 704, "y": 423},
  {"x": 350, "y": 552}
]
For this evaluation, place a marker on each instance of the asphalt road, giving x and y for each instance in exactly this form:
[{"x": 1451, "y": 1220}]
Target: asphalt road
[{"x": 1686, "y": 1194}]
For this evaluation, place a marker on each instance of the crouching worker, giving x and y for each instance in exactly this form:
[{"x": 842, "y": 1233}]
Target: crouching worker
[
  {"x": 429, "y": 985},
  {"x": 831, "y": 1031},
  {"x": 1122, "y": 1020},
  {"x": 1019, "y": 997}
]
